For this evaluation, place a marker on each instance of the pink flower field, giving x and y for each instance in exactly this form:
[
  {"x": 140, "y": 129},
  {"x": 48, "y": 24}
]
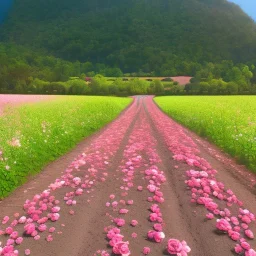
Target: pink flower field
[
  {"x": 141, "y": 186},
  {"x": 182, "y": 80},
  {"x": 10, "y": 100}
]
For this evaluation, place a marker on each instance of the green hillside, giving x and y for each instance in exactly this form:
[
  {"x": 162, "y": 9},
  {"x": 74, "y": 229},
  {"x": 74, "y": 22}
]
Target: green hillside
[{"x": 169, "y": 37}]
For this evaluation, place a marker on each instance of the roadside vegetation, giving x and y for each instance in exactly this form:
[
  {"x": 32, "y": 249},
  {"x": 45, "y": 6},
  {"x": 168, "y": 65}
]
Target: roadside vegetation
[
  {"x": 33, "y": 135},
  {"x": 229, "y": 122}
]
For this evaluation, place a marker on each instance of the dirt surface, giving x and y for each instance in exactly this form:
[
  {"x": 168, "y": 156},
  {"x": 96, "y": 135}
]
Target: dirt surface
[{"x": 141, "y": 147}]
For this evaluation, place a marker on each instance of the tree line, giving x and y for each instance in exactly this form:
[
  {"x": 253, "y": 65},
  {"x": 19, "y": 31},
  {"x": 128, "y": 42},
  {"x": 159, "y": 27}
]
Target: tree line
[{"x": 26, "y": 71}]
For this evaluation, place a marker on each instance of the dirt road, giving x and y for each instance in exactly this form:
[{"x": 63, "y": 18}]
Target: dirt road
[{"x": 142, "y": 172}]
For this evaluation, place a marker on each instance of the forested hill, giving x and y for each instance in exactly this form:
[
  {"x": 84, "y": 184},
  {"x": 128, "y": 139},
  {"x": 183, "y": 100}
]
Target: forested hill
[{"x": 148, "y": 35}]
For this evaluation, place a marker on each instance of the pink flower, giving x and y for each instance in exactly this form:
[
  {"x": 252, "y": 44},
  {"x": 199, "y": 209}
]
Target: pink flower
[
  {"x": 55, "y": 209},
  {"x": 245, "y": 245},
  {"x": 54, "y": 216},
  {"x": 116, "y": 239},
  {"x": 7, "y": 250},
  {"x": 14, "y": 235},
  {"x": 234, "y": 220},
  {"x": 77, "y": 180},
  {"x": 19, "y": 240},
  {"x": 237, "y": 229},
  {"x": 123, "y": 211},
  {"x": 158, "y": 227},
  {"x": 134, "y": 223},
  {"x": 159, "y": 236},
  {"x": 134, "y": 235},
  {"x": 238, "y": 249},
  {"x": 251, "y": 252},
  {"x": 174, "y": 246},
  {"x": 79, "y": 191},
  {"x": 101, "y": 253},
  {"x": 153, "y": 217},
  {"x": 52, "y": 229},
  {"x": 234, "y": 235},
  {"x": 249, "y": 233},
  {"x": 223, "y": 225},
  {"x": 121, "y": 248},
  {"x": 14, "y": 223},
  {"x": 49, "y": 238},
  {"x": 42, "y": 227},
  {"x": 151, "y": 188},
  {"x": 140, "y": 188},
  {"x": 8, "y": 230},
  {"x": 5, "y": 220},
  {"x": 112, "y": 232},
  {"x": 151, "y": 234},
  {"x": 112, "y": 196},
  {"x": 146, "y": 250},
  {"x": 209, "y": 216},
  {"x": 10, "y": 242},
  {"x": 27, "y": 252},
  {"x": 244, "y": 226},
  {"x": 130, "y": 202},
  {"x": 29, "y": 228},
  {"x": 114, "y": 204},
  {"x": 119, "y": 222},
  {"x": 246, "y": 219},
  {"x": 37, "y": 237}
]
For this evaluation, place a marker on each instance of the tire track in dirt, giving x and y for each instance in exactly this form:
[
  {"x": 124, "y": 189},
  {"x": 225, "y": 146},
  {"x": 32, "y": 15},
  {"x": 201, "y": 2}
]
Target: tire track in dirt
[{"x": 185, "y": 221}]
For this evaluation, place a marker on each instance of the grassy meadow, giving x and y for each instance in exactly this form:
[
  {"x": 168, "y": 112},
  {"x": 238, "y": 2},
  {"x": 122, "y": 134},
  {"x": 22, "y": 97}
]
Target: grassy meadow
[
  {"x": 32, "y": 135},
  {"x": 228, "y": 121}
]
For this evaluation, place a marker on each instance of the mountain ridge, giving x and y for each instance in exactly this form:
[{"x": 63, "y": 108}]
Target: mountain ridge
[{"x": 152, "y": 36}]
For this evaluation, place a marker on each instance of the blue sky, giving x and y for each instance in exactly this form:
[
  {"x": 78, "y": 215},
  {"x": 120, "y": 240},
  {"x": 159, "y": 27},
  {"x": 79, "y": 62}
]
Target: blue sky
[{"x": 249, "y": 6}]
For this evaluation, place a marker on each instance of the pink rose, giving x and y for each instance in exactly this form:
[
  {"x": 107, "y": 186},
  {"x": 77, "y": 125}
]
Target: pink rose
[
  {"x": 146, "y": 250},
  {"x": 245, "y": 245},
  {"x": 249, "y": 233},
  {"x": 251, "y": 252},
  {"x": 234, "y": 235},
  {"x": 151, "y": 234},
  {"x": 238, "y": 249},
  {"x": 223, "y": 225},
  {"x": 117, "y": 238},
  {"x": 134, "y": 223},
  {"x": 121, "y": 248},
  {"x": 174, "y": 246},
  {"x": 159, "y": 236}
]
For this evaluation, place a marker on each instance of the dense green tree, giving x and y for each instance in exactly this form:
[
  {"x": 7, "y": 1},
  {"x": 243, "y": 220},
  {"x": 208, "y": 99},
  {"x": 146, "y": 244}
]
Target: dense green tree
[{"x": 156, "y": 87}]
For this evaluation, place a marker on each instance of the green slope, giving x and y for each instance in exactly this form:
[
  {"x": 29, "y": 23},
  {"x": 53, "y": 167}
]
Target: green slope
[{"x": 134, "y": 34}]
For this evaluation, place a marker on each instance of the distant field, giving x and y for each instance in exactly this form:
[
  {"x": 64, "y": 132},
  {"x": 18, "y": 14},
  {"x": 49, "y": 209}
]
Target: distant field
[
  {"x": 15, "y": 100},
  {"x": 229, "y": 121},
  {"x": 33, "y": 135},
  {"x": 182, "y": 80}
]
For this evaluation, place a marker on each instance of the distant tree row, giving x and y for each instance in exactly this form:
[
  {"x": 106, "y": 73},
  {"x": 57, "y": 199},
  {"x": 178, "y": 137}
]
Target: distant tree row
[
  {"x": 224, "y": 78},
  {"x": 26, "y": 71}
]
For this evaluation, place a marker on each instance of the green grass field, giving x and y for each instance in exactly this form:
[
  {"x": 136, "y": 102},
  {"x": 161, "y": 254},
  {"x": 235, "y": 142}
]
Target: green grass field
[
  {"x": 228, "y": 121},
  {"x": 33, "y": 135}
]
